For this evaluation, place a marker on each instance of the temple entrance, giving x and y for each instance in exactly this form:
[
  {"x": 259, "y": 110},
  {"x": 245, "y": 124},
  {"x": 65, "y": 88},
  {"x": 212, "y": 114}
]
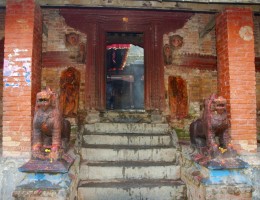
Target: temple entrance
[{"x": 124, "y": 65}]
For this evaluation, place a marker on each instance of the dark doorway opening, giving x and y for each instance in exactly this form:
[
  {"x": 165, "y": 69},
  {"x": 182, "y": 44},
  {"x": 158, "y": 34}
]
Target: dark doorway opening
[{"x": 124, "y": 71}]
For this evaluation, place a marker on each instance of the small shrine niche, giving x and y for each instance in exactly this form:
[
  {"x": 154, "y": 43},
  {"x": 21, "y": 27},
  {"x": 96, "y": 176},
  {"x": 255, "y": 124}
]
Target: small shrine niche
[
  {"x": 69, "y": 92},
  {"x": 178, "y": 97}
]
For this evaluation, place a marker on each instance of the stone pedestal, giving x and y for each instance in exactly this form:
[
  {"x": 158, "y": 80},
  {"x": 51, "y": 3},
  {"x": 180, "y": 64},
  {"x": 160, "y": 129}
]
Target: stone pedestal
[
  {"x": 208, "y": 183},
  {"x": 48, "y": 184},
  {"x": 217, "y": 174}
]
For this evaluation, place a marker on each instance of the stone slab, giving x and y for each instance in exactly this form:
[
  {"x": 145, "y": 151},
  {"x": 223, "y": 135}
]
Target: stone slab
[
  {"x": 134, "y": 190},
  {"x": 127, "y": 128},
  {"x": 101, "y": 172},
  {"x": 127, "y": 139},
  {"x": 45, "y": 181},
  {"x": 125, "y": 154},
  {"x": 227, "y": 163},
  {"x": 48, "y": 166}
]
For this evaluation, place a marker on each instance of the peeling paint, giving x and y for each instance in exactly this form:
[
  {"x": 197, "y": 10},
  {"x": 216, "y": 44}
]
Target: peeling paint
[
  {"x": 17, "y": 67},
  {"x": 13, "y": 85}
]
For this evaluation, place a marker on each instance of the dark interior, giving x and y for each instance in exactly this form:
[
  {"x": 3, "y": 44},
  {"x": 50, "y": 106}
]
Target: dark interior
[{"x": 124, "y": 71}]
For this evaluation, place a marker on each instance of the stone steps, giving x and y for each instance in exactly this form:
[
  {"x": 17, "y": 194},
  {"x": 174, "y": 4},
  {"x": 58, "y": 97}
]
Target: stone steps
[
  {"x": 124, "y": 153},
  {"x": 126, "y": 128},
  {"x": 129, "y": 161},
  {"x": 132, "y": 190},
  {"x": 129, "y": 170},
  {"x": 138, "y": 139}
]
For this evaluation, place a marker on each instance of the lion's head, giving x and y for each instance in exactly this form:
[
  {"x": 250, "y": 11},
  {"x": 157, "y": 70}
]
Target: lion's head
[{"x": 45, "y": 99}]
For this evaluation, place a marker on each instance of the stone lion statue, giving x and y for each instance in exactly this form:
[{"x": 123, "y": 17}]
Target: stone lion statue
[
  {"x": 51, "y": 132},
  {"x": 211, "y": 132}
]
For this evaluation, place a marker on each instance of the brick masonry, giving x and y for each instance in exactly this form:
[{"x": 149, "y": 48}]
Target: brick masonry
[
  {"x": 55, "y": 54},
  {"x": 22, "y": 69},
  {"x": 236, "y": 74},
  {"x": 200, "y": 82},
  {"x": 192, "y": 43}
]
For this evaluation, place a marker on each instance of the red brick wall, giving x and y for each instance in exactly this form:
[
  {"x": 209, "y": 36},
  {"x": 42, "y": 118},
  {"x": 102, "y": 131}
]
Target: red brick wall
[
  {"x": 195, "y": 62},
  {"x": 55, "y": 55},
  {"x": 21, "y": 71},
  {"x": 236, "y": 74}
]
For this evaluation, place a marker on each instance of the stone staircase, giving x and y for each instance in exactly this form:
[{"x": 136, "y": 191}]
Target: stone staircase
[{"x": 123, "y": 161}]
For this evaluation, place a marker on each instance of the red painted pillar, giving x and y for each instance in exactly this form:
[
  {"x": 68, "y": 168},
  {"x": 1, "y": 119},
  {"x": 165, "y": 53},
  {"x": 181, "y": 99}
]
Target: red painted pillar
[
  {"x": 236, "y": 74},
  {"x": 21, "y": 74}
]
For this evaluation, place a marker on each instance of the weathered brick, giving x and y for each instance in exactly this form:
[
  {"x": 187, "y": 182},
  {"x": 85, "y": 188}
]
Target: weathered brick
[
  {"x": 241, "y": 86},
  {"x": 23, "y": 23}
]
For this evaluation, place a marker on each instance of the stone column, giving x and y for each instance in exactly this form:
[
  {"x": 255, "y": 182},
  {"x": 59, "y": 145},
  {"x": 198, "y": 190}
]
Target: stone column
[
  {"x": 21, "y": 75},
  {"x": 236, "y": 74}
]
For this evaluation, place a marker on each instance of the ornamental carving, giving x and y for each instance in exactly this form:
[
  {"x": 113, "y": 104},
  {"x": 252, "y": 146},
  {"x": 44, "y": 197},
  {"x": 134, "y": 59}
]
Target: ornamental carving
[
  {"x": 75, "y": 47},
  {"x": 69, "y": 92}
]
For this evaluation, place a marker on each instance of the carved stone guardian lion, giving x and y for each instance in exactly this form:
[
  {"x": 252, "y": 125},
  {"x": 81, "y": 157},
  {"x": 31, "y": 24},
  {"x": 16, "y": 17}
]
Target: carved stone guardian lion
[
  {"x": 210, "y": 134},
  {"x": 51, "y": 133}
]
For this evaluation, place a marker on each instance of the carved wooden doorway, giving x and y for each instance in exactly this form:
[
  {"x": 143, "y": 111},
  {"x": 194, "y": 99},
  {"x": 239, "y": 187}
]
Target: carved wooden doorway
[
  {"x": 96, "y": 23},
  {"x": 119, "y": 90},
  {"x": 124, "y": 66}
]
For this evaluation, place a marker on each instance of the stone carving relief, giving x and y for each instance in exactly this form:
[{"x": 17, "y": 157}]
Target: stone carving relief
[
  {"x": 178, "y": 97},
  {"x": 174, "y": 43},
  {"x": 246, "y": 33},
  {"x": 76, "y": 48},
  {"x": 69, "y": 92},
  {"x": 167, "y": 54}
]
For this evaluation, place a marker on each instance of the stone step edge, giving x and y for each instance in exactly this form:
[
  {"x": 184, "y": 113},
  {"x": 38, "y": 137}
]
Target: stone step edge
[
  {"x": 127, "y": 163},
  {"x": 130, "y": 147},
  {"x": 127, "y": 127},
  {"x": 127, "y": 134},
  {"x": 130, "y": 183},
  {"x": 130, "y": 123}
]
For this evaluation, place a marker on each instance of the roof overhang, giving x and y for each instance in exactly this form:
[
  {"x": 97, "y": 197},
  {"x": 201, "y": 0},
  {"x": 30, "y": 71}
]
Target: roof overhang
[{"x": 175, "y": 5}]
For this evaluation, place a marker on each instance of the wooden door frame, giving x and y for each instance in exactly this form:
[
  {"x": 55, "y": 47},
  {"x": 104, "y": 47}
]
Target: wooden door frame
[{"x": 103, "y": 29}]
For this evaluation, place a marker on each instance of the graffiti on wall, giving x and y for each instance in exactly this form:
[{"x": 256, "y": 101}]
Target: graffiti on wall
[{"x": 17, "y": 69}]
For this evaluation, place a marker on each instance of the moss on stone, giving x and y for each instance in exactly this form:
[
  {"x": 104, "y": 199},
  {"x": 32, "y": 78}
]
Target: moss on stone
[{"x": 182, "y": 134}]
